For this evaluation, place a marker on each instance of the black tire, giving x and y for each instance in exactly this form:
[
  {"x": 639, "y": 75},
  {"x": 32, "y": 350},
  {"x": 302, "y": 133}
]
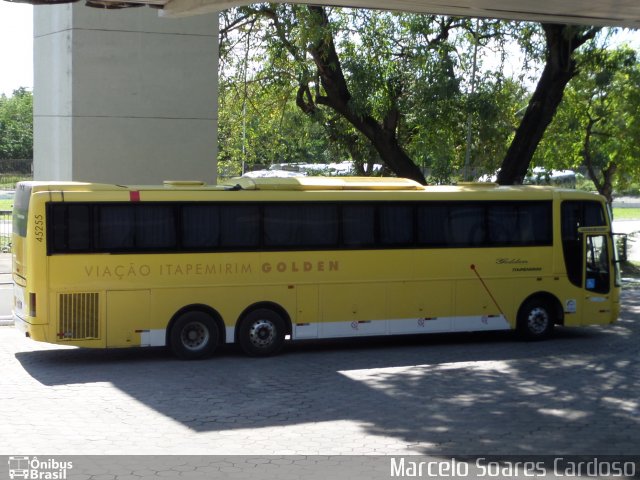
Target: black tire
[
  {"x": 536, "y": 319},
  {"x": 194, "y": 335},
  {"x": 261, "y": 333}
]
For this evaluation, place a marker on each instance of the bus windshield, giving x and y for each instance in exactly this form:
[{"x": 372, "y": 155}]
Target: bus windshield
[{"x": 20, "y": 218}]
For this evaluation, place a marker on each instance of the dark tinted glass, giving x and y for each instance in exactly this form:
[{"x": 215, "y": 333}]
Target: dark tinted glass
[
  {"x": 358, "y": 225},
  {"x": 396, "y": 225},
  {"x": 70, "y": 228},
  {"x": 123, "y": 227},
  {"x": 300, "y": 226},
  {"x": 116, "y": 227},
  {"x": 466, "y": 226},
  {"x": 239, "y": 226},
  {"x": 519, "y": 224},
  {"x": 200, "y": 226},
  {"x": 155, "y": 227}
]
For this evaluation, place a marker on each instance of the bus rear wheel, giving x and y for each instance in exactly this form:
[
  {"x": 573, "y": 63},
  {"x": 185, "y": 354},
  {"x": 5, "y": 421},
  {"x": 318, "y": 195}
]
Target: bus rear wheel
[
  {"x": 535, "y": 319},
  {"x": 261, "y": 333},
  {"x": 194, "y": 335}
]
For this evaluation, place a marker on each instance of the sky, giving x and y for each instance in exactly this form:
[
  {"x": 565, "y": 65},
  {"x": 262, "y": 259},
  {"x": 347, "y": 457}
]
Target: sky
[{"x": 16, "y": 46}]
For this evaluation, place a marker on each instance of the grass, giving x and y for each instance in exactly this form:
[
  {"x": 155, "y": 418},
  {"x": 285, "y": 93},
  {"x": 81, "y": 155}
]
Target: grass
[{"x": 626, "y": 213}]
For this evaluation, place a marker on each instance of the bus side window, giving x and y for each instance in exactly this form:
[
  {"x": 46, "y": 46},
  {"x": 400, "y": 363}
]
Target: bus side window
[
  {"x": 200, "y": 226},
  {"x": 155, "y": 227},
  {"x": 396, "y": 225},
  {"x": 240, "y": 226},
  {"x": 300, "y": 226},
  {"x": 576, "y": 214},
  {"x": 536, "y": 224},
  {"x": 70, "y": 228},
  {"x": 358, "y": 225},
  {"x": 504, "y": 225},
  {"x": 116, "y": 227},
  {"x": 433, "y": 222},
  {"x": 467, "y": 225}
]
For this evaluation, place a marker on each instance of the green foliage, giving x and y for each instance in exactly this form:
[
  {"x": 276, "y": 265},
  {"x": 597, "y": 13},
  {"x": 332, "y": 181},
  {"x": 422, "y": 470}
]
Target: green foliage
[
  {"x": 411, "y": 76},
  {"x": 16, "y": 125},
  {"x": 408, "y": 72},
  {"x": 626, "y": 213},
  {"x": 598, "y": 123},
  {"x": 264, "y": 128}
]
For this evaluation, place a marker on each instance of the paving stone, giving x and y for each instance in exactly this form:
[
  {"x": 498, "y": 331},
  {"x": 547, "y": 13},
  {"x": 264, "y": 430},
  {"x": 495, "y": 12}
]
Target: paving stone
[{"x": 448, "y": 394}]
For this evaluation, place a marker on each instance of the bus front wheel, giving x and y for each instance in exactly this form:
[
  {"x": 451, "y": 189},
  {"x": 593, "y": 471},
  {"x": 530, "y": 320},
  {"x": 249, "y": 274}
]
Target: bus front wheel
[
  {"x": 535, "y": 319},
  {"x": 261, "y": 333},
  {"x": 194, "y": 335}
]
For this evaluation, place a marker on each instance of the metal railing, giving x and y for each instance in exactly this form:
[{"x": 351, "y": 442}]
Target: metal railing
[
  {"x": 5, "y": 231},
  {"x": 12, "y": 171}
]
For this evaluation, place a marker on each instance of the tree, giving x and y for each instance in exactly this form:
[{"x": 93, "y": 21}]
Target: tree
[
  {"x": 560, "y": 67},
  {"x": 258, "y": 126},
  {"x": 16, "y": 125},
  {"x": 598, "y": 122},
  {"x": 306, "y": 36},
  {"x": 399, "y": 83},
  {"x": 382, "y": 85}
]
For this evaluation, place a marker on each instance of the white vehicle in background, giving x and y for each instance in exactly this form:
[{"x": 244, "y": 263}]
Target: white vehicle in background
[
  {"x": 559, "y": 178},
  {"x": 283, "y": 170},
  {"x": 541, "y": 176}
]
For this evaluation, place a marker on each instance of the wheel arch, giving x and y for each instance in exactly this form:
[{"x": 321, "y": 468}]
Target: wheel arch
[
  {"x": 279, "y": 309},
  {"x": 198, "y": 307},
  {"x": 550, "y": 299}
]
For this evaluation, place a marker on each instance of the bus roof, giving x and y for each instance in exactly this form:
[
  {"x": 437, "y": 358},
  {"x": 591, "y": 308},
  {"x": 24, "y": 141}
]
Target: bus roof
[
  {"x": 324, "y": 183},
  {"x": 293, "y": 184}
]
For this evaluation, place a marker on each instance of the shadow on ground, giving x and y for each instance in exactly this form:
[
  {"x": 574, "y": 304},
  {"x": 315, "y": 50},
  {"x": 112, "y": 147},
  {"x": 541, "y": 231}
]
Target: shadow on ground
[{"x": 465, "y": 394}]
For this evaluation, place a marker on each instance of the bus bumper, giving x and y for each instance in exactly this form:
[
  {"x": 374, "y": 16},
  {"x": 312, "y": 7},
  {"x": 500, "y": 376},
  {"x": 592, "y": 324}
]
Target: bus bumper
[
  {"x": 21, "y": 325},
  {"x": 35, "y": 332}
]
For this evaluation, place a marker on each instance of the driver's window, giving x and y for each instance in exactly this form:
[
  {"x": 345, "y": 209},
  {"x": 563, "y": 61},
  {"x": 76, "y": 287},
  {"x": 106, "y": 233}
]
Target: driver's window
[{"x": 597, "y": 264}]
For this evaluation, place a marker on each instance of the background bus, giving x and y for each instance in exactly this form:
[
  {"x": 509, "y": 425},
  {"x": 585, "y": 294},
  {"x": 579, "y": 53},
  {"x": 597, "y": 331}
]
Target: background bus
[{"x": 262, "y": 260}]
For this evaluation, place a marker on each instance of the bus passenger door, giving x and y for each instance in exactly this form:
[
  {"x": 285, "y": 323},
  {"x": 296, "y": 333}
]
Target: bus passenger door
[
  {"x": 128, "y": 322},
  {"x": 597, "y": 279}
]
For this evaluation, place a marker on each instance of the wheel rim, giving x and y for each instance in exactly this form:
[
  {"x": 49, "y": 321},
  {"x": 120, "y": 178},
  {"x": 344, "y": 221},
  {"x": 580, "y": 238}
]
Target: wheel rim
[
  {"x": 538, "y": 320},
  {"x": 194, "y": 336},
  {"x": 262, "y": 333}
]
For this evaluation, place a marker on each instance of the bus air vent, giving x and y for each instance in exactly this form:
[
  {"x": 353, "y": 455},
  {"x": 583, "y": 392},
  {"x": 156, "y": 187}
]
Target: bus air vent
[{"x": 78, "y": 316}]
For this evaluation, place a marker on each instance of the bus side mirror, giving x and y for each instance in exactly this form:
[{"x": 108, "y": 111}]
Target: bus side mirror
[{"x": 621, "y": 244}]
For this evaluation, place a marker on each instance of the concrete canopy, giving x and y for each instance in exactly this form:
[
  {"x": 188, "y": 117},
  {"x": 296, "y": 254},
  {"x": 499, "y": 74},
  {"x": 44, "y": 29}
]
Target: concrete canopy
[
  {"x": 623, "y": 13},
  {"x": 620, "y": 13}
]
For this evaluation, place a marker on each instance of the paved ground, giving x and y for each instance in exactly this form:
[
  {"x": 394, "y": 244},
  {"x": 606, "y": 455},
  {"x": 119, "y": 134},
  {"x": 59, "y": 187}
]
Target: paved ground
[
  {"x": 441, "y": 396},
  {"x": 578, "y": 393},
  {"x": 632, "y": 228},
  {"x": 6, "y": 289}
]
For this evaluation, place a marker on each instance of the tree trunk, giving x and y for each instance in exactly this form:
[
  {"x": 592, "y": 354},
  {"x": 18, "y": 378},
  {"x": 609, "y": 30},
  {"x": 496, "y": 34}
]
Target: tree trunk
[
  {"x": 560, "y": 67},
  {"x": 604, "y": 186},
  {"x": 383, "y": 135}
]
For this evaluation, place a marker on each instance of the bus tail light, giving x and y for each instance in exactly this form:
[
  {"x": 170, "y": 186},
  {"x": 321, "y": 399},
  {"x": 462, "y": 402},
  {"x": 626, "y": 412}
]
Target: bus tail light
[{"x": 32, "y": 304}]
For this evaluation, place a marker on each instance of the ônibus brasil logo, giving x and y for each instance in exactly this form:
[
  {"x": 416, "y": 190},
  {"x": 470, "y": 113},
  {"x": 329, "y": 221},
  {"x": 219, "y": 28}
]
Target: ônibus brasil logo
[{"x": 34, "y": 469}]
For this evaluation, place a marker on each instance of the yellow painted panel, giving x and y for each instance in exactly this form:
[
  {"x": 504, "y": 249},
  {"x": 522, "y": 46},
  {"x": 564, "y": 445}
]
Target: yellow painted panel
[
  {"x": 361, "y": 301},
  {"x": 419, "y": 299},
  {"x": 127, "y": 312}
]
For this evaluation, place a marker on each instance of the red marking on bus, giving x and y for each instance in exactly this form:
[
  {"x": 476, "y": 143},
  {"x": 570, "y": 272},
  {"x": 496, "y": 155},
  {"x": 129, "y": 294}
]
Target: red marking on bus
[{"x": 134, "y": 196}]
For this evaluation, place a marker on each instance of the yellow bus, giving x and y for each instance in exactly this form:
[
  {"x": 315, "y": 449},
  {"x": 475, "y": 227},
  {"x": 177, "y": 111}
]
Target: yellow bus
[{"x": 259, "y": 262}]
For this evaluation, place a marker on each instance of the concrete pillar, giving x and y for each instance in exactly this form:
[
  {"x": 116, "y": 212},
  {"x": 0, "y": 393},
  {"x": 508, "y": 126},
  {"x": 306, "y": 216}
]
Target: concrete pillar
[{"x": 123, "y": 96}]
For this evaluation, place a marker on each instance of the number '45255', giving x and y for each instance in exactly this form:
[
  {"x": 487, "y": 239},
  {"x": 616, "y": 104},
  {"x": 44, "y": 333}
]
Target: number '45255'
[{"x": 39, "y": 227}]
